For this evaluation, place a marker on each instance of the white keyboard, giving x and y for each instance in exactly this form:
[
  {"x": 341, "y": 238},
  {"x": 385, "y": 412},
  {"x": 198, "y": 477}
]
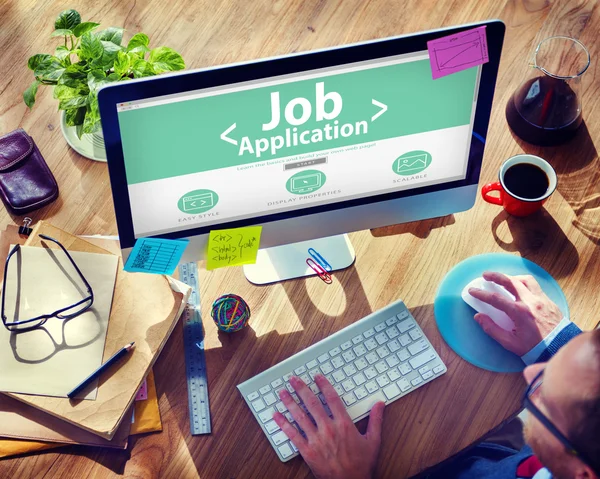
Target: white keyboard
[{"x": 381, "y": 357}]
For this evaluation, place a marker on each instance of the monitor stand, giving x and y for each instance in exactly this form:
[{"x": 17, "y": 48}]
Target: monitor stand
[{"x": 289, "y": 261}]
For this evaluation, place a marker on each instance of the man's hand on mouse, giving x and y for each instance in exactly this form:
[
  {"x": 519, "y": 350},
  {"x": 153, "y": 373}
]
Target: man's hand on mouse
[
  {"x": 534, "y": 314},
  {"x": 332, "y": 447}
]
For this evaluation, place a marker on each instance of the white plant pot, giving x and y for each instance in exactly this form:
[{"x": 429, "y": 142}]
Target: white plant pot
[{"x": 89, "y": 145}]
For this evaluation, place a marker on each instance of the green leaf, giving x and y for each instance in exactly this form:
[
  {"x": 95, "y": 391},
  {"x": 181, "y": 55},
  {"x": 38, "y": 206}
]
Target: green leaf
[
  {"x": 92, "y": 124},
  {"x": 95, "y": 79},
  {"x": 35, "y": 60},
  {"x": 79, "y": 130},
  {"x": 113, "y": 77},
  {"x": 29, "y": 94},
  {"x": 109, "y": 55},
  {"x": 61, "y": 32},
  {"x": 91, "y": 47},
  {"x": 67, "y": 20},
  {"x": 74, "y": 76},
  {"x": 122, "y": 63},
  {"x": 75, "y": 102},
  {"x": 75, "y": 116},
  {"x": 165, "y": 59},
  {"x": 50, "y": 69},
  {"x": 142, "y": 68},
  {"x": 64, "y": 92},
  {"x": 84, "y": 27},
  {"x": 61, "y": 52},
  {"x": 138, "y": 40},
  {"x": 111, "y": 34}
]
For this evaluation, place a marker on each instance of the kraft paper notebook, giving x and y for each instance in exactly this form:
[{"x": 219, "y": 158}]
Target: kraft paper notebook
[{"x": 145, "y": 309}]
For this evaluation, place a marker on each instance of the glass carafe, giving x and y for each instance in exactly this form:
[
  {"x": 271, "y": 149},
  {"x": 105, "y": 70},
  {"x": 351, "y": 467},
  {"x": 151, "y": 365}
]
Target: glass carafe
[{"x": 546, "y": 109}]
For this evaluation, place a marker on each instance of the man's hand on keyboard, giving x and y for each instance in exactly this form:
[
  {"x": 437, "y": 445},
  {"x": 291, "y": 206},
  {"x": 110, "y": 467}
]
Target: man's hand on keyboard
[
  {"x": 332, "y": 447},
  {"x": 534, "y": 314}
]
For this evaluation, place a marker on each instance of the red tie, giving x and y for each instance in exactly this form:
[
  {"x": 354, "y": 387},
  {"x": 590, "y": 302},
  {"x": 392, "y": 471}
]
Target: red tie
[{"x": 529, "y": 467}]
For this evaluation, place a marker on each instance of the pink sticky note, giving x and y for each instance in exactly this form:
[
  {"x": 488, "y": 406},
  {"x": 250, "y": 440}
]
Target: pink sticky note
[
  {"x": 457, "y": 52},
  {"x": 142, "y": 394}
]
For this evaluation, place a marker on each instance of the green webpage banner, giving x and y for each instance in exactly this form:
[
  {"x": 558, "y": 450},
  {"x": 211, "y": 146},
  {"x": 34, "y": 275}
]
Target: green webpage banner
[{"x": 248, "y": 150}]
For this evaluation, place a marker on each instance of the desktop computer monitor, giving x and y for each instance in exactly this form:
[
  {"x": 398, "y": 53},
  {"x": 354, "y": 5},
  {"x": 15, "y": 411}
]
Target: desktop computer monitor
[{"x": 309, "y": 146}]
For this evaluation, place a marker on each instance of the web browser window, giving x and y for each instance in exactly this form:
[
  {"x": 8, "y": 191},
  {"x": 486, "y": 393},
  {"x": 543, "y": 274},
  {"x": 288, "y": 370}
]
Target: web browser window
[{"x": 284, "y": 143}]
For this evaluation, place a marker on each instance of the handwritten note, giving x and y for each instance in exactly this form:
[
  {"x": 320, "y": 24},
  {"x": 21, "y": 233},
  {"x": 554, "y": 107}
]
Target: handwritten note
[
  {"x": 233, "y": 247},
  {"x": 155, "y": 255},
  {"x": 457, "y": 52}
]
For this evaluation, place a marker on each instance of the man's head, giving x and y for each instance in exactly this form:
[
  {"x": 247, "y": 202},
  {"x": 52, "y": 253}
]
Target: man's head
[{"x": 570, "y": 397}]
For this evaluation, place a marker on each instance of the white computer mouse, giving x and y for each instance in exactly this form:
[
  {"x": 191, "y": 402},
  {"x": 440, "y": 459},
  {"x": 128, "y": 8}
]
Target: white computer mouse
[{"x": 499, "y": 317}]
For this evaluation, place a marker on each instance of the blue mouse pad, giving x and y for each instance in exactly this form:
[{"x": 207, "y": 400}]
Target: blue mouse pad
[{"x": 455, "y": 320}]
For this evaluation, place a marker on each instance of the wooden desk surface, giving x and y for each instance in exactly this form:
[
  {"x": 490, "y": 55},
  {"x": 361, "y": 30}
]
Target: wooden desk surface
[{"x": 406, "y": 261}]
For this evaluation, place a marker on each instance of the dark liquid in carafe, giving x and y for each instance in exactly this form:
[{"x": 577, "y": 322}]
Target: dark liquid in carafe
[
  {"x": 526, "y": 181},
  {"x": 544, "y": 111}
]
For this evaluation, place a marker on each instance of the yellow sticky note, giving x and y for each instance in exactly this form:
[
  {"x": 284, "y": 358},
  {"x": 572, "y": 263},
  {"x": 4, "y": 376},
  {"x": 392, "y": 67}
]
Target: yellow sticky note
[{"x": 233, "y": 247}]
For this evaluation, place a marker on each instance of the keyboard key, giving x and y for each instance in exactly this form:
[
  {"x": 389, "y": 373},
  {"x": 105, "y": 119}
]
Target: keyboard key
[
  {"x": 253, "y": 396},
  {"x": 391, "y": 321},
  {"x": 416, "y": 381},
  {"x": 360, "y": 364},
  {"x": 265, "y": 389},
  {"x": 294, "y": 448},
  {"x": 311, "y": 364},
  {"x": 349, "y": 399},
  {"x": 381, "y": 338},
  {"x": 381, "y": 367},
  {"x": 277, "y": 383},
  {"x": 357, "y": 339},
  {"x": 326, "y": 367},
  {"x": 427, "y": 375},
  {"x": 339, "y": 389},
  {"x": 380, "y": 327},
  {"x": 339, "y": 376},
  {"x": 383, "y": 381},
  {"x": 371, "y": 387},
  {"x": 392, "y": 360},
  {"x": 278, "y": 391},
  {"x": 438, "y": 369},
  {"x": 335, "y": 351},
  {"x": 371, "y": 344},
  {"x": 348, "y": 385},
  {"x": 370, "y": 372},
  {"x": 361, "y": 393},
  {"x": 349, "y": 356},
  {"x": 394, "y": 345},
  {"x": 392, "y": 333},
  {"x": 368, "y": 333},
  {"x": 266, "y": 415},
  {"x": 295, "y": 398},
  {"x": 281, "y": 407},
  {"x": 312, "y": 373},
  {"x": 323, "y": 357},
  {"x": 403, "y": 355},
  {"x": 402, "y": 315},
  {"x": 337, "y": 362},
  {"x": 422, "y": 359},
  {"x": 270, "y": 399},
  {"x": 314, "y": 388},
  {"x": 404, "y": 385},
  {"x": 366, "y": 404},
  {"x": 272, "y": 427},
  {"x": 372, "y": 358},
  {"x": 417, "y": 347},
  {"x": 350, "y": 370},
  {"x": 383, "y": 352},
  {"x": 424, "y": 369},
  {"x": 279, "y": 438},
  {"x": 404, "y": 369},
  {"x": 306, "y": 379},
  {"x": 289, "y": 417},
  {"x": 346, "y": 345},
  {"x": 404, "y": 340},
  {"x": 359, "y": 379},
  {"x": 360, "y": 350},
  {"x": 285, "y": 451},
  {"x": 300, "y": 370},
  {"x": 329, "y": 378},
  {"x": 391, "y": 391},
  {"x": 289, "y": 387},
  {"x": 405, "y": 325},
  {"x": 416, "y": 334},
  {"x": 258, "y": 405},
  {"x": 286, "y": 377},
  {"x": 393, "y": 374}
]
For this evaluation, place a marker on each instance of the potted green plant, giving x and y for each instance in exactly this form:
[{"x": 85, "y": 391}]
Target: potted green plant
[{"x": 86, "y": 60}]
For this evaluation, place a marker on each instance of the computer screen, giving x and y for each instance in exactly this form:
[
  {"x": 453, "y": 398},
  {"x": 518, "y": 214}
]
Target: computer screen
[{"x": 279, "y": 144}]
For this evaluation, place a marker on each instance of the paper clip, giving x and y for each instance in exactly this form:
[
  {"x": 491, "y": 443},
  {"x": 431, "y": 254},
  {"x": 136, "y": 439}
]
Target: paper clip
[
  {"x": 321, "y": 273},
  {"x": 319, "y": 259}
]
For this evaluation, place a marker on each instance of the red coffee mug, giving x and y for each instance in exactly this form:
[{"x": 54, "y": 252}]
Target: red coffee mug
[{"x": 513, "y": 204}]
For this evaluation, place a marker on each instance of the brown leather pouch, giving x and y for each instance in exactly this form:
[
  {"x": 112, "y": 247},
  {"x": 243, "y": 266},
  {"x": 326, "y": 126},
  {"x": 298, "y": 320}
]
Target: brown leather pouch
[{"x": 26, "y": 182}]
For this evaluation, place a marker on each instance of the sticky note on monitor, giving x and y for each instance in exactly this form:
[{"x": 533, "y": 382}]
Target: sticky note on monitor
[
  {"x": 155, "y": 255},
  {"x": 233, "y": 247},
  {"x": 458, "y": 52}
]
